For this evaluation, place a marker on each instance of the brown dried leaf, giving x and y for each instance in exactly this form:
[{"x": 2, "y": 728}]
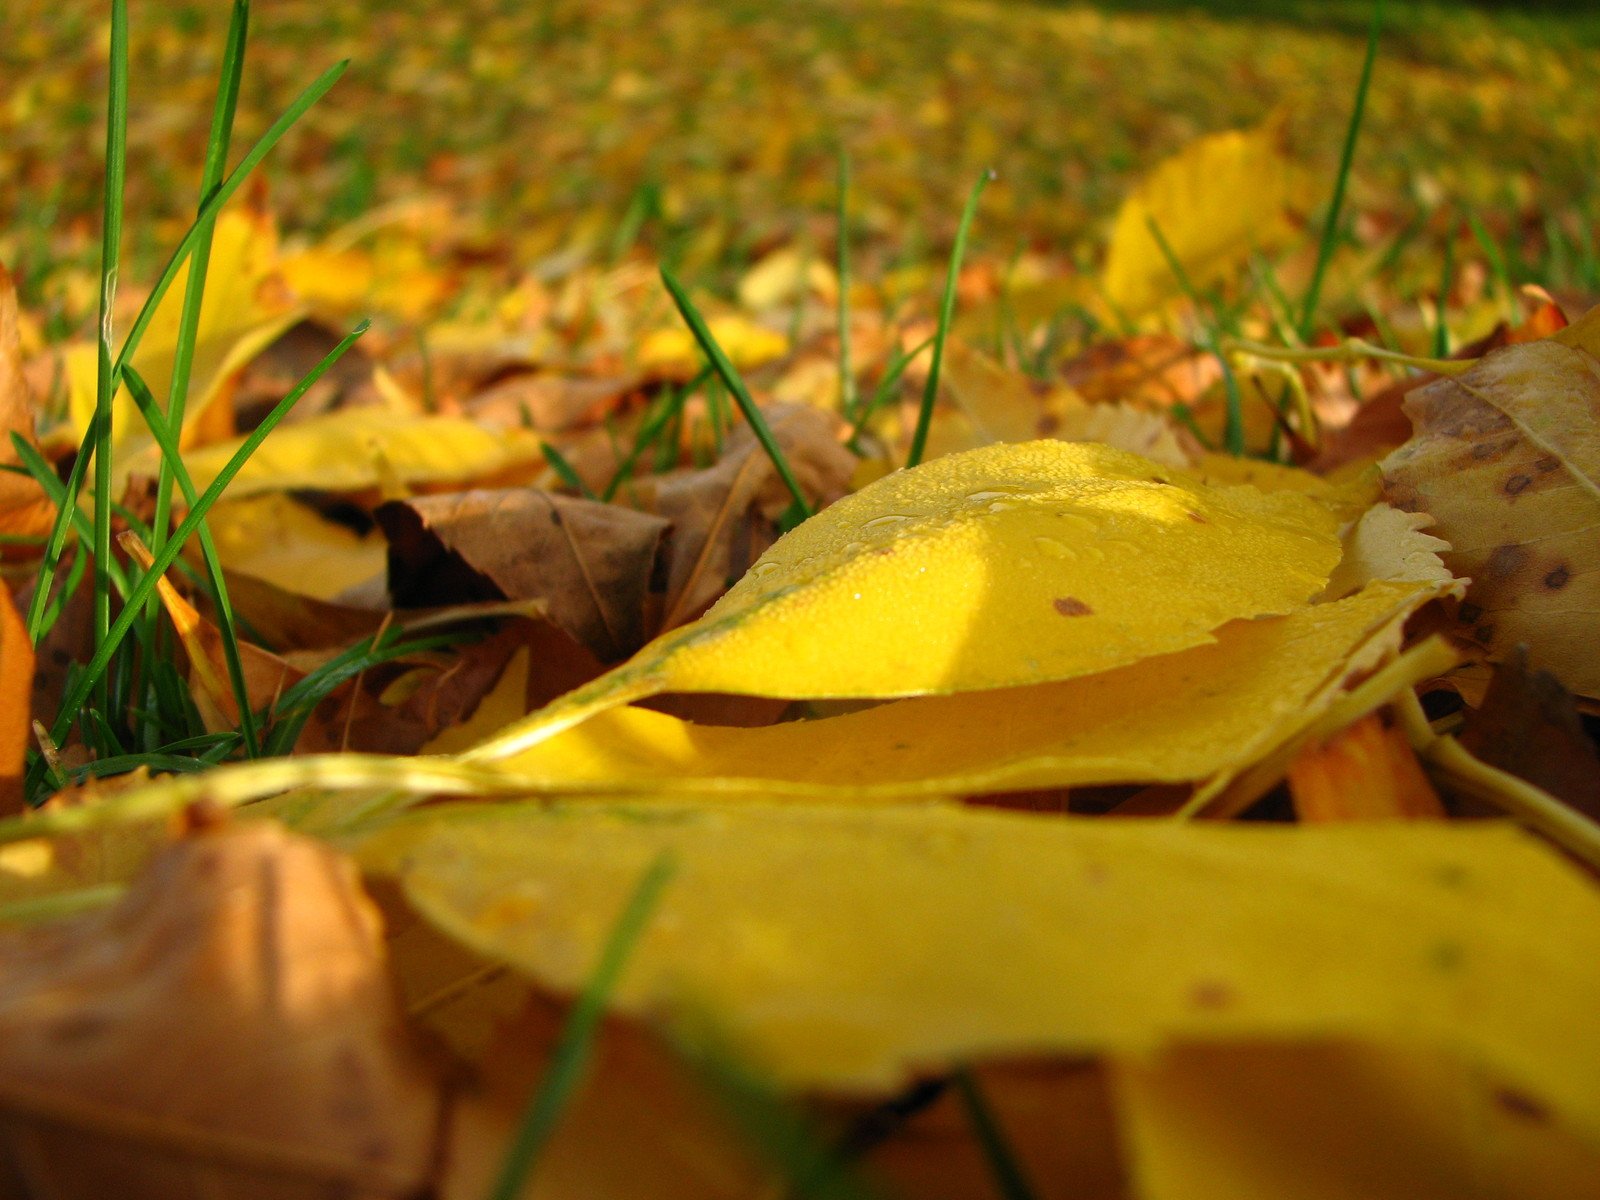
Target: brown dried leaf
[
  {"x": 227, "y": 1029},
  {"x": 590, "y": 563},
  {"x": 1528, "y": 725},
  {"x": 23, "y": 506},
  {"x": 1506, "y": 458},
  {"x": 724, "y": 517}
]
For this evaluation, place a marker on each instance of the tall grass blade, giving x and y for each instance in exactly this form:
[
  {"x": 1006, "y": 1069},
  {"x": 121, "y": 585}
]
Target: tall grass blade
[
  {"x": 145, "y": 588},
  {"x": 947, "y": 309},
  {"x": 735, "y": 384},
  {"x": 216, "y": 162},
  {"x": 208, "y": 211},
  {"x": 173, "y": 459},
  {"x": 847, "y": 382},
  {"x": 1330, "y": 224},
  {"x": 577, "y": 1034},
  {"x": 110, "y": 254}
]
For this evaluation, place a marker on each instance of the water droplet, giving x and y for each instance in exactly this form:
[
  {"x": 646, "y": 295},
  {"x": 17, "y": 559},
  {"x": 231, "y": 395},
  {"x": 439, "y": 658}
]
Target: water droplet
[
  {"x": 999, "y": 506},
  {"x": 887, "y": 519},
  {"x": 1051, "y": 548},
  {"x": 854, "y": 547},
  {"x": 980, "y": 497},
  {"x": 761, "y": 569}
]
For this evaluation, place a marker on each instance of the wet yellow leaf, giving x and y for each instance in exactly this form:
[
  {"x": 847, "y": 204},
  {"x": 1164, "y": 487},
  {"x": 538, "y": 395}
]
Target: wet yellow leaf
[
  {"x": 1006, "y": 565},
  {"x": 1170, "y": 719},
  {"x": 1214, "y": 202},
  {"x": 355, "y": 449},
  {"x": 243, "y": 312},
  {"x": 845, "y": 948},
  {"x": 1506, "y": 459}
]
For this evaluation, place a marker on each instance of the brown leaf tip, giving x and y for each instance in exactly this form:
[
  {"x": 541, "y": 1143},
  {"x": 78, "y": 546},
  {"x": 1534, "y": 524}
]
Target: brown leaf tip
[{"x": 1071, "y": 606}]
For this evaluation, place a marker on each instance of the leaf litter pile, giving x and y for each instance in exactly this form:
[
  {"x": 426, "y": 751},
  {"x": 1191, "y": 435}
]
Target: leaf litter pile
[{"x": 1108, "y": 729}]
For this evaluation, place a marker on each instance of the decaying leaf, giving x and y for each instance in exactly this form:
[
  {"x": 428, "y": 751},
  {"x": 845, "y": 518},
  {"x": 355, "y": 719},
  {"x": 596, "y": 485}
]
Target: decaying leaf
[
  {"x": 1213, "y": 202},
  {"x": 1506, "y": 459},
  {"x": 226, "y": 1029},
  {"x": 974, "y": 934},
  {"x": 724, "y": 517},
  {"x": 1000, "y": 566},
  {"x": 589, "y": 564}
]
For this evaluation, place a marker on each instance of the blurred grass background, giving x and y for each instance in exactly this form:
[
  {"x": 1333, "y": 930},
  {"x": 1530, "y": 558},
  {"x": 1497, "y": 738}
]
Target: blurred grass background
[{"x": 708, "y": 131}]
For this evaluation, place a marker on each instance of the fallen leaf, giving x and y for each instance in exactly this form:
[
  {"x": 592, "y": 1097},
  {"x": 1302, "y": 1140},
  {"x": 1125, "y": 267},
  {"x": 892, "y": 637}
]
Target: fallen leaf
[
  {"x": 1214, "y": 202},
  {"x": 1366, "y": 771},
  {"x": 361, "y": 449},
  {"x": 674, "y": 354},
  {"x": 1506, "y": 460},
  {"x": 24, "y": 509},
  {"x": 589, "y": 564},
  {"x": 1472, "y": 939},
  {"x": 1006, "y": 565},
  {"x": 1174, "y": 718},
  {"x": 1389, "y": 1120},
  {"x": 1529, "y": 725},
  {"x": 725, "y": 516},
  {"x": 227, "y": 1026},
  {"x": 16, "y": 686}
]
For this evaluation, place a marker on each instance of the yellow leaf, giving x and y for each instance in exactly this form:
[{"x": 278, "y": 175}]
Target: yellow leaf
[
  {"x": 1170, "y": 719},
  {"x": 280, "y": 540},
  {"x": 675, "y": 354},
  {"x": 359, "y": 448},
  {"x": 785, "y": 275},
  {"x": 1005, "y": 565},
  {"x": 1384, "y": 1121},
  {"x": 846, "y": 948},
  {"x": 242, "y": 313},
  {"x": 1214, "y": 202},
  {"x": 1506, "y": 459}
]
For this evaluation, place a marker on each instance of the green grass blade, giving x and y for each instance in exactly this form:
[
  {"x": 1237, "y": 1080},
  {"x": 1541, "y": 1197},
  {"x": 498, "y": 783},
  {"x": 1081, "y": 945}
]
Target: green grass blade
[
  {"x": 208, "y": 211},
  {"x": 577, "y": 1033},
  {"x": 216, "y": 162},
  {"x": 735, "y": 384},
  {"x": 649, "y": 431},
  {"x": 885, "y": 388},
  {"x": 565, "y": 471},
  {"x": 1441, "y": 329},
  {"x": 947, "y": 309},
  {"x": 105, "y": 383},
  {"x": 1497, "y": 261},
  {"x": 1330, "y": 224},
  {"x": 847, "y": 381},
  {"x": 1010, "y": 1180},
  {"x": 173, "y": 459},
  {"x": 1233, "y": 423},
  {"x": 146, "y": 586}
]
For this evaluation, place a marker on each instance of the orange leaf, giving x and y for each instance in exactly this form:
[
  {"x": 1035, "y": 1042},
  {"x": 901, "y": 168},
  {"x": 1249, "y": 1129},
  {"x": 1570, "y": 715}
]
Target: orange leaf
[{"x": 1365, "y": 772}]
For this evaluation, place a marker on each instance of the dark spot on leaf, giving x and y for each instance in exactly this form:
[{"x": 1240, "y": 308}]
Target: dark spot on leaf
[
  {"x": 1446, "y": 955},
  {"x": 1211, "y": 994},
  {"x": 1557, "y": 579},
  {"x": 1516, "y": 484},
  {"x": 1547, "y": 464},
  {"x": 1071, "y": 606},
  {"x": 1484, "y": 633},
  {"x": 1196, "y": 517},
  {"x": 1451, "y": 875},
  {"x": 1520, "y": 1104},
  {"x": 1485, "y": 450},
  {"x": 1470, "y": 612},
  {"x": 1507, "y": 560}
]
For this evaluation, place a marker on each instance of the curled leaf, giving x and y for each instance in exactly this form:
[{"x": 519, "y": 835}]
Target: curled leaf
[{"x": 1005, "y": 565}]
